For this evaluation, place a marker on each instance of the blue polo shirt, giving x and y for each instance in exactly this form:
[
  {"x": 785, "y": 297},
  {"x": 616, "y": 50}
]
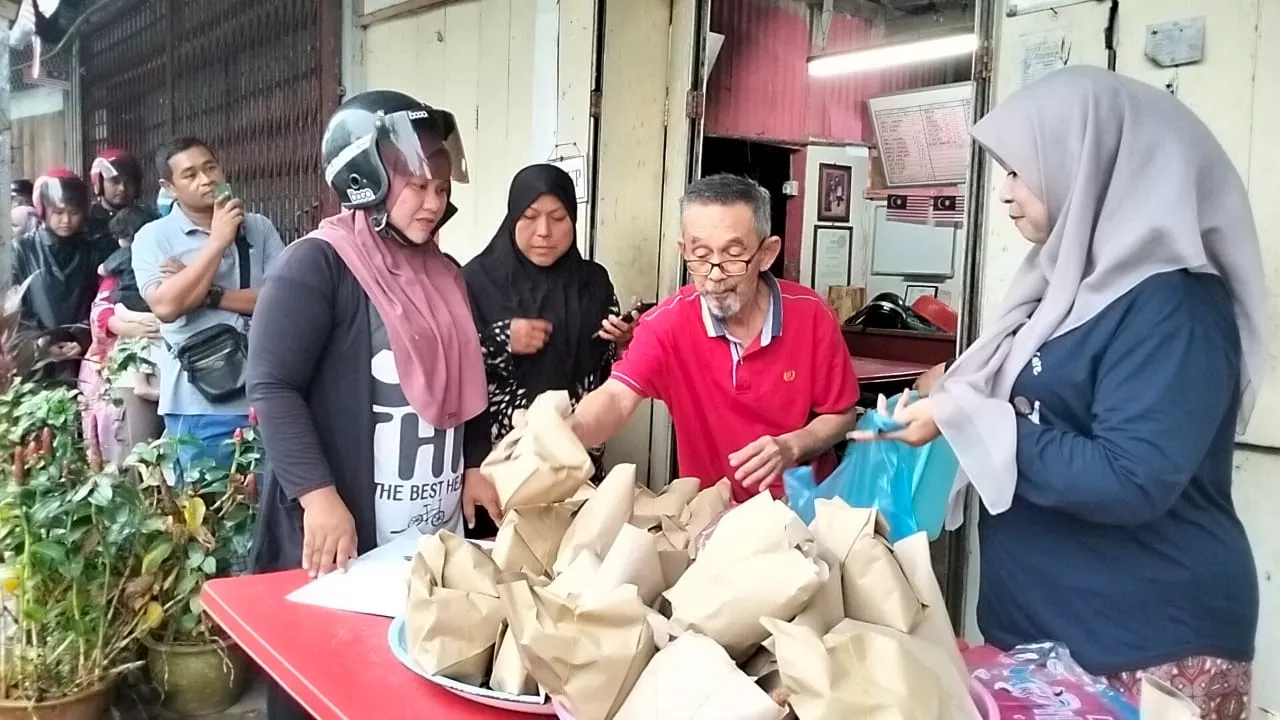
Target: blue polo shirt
[{"x": 176, "y": 236}]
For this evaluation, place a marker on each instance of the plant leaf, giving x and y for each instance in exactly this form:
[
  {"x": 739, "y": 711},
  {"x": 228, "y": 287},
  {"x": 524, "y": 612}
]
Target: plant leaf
[
  {"x": 101, "y": 495},
  {"x": 194, "y": 513},
  {"x": 209, "y": 566},
  {"x": 152, "y": 615},
  {"x": 156, "y": 555},
  {"x": 52, "y": 551}
]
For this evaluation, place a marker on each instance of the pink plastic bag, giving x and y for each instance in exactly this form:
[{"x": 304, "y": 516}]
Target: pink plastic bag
[{"x": 1041, "y": 680}]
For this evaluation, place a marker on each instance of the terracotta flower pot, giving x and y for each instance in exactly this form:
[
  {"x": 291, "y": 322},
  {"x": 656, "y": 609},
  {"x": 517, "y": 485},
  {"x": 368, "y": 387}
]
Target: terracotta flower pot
[
  {"x": 198, "y": 678},
  {"x": 87, "y": 704}
]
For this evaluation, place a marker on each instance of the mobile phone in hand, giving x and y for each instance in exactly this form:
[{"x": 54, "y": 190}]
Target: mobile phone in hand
[
  {"x": 641, "y": 308},
  {"x": 223, "y": 191}
]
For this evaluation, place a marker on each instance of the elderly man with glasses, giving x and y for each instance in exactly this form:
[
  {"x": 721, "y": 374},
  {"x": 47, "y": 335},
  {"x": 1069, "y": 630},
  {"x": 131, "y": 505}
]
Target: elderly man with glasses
[{"x": 750, "y": 396}]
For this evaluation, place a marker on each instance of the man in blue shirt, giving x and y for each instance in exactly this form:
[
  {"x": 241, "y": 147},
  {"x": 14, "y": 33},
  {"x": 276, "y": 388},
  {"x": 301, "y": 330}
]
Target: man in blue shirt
[{"x": 188, "y": 270}]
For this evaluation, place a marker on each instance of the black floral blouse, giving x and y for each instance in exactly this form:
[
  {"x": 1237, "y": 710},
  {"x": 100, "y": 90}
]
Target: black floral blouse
[{"x": 506, "y": 396}]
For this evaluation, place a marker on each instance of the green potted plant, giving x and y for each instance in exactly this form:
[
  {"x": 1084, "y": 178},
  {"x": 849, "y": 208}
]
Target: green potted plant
[
  {"x": 71, "y": 542},
  {"x": 207, "y": 528}
]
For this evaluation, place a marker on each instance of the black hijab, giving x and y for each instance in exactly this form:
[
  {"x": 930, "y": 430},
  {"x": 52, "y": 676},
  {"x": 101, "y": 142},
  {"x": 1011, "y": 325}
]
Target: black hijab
[{"x": 573, "y": 294}]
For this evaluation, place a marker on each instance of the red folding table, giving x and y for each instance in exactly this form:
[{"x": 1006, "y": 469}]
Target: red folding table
[{"x": 336, "y": 664}]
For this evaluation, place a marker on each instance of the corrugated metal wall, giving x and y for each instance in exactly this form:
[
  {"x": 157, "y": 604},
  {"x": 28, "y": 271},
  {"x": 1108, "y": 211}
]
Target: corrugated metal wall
[
  {"x": 760, "y": 85},
  {"x": 256, "y": 80}
]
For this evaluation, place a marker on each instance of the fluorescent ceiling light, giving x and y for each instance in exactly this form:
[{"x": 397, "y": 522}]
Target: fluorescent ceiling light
[{"x": 891, "y": 55}]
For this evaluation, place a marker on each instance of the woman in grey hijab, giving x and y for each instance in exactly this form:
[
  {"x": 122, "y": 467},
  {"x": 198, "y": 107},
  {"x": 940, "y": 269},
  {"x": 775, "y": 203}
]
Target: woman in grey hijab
[{"x": 1096, "y": 414}]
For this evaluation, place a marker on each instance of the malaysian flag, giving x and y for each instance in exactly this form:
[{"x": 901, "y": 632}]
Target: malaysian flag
[{"x": 940, "y": 210}]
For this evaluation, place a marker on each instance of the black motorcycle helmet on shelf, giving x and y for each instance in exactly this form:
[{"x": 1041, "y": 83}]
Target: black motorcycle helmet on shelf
[
  {"x": 373, "y": 129},
  {"x": 887, "y": 311}
]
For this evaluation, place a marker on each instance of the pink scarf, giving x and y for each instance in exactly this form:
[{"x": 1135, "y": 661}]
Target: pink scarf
[{"x": 422, "y": 300}]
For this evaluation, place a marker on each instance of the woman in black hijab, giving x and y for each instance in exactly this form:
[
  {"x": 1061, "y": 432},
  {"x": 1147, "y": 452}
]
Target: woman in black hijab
[{"x": 548, "y": 318}]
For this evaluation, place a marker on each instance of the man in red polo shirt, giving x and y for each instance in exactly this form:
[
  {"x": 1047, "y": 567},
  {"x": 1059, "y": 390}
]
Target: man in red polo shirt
[{"x": 753, "y": 369}]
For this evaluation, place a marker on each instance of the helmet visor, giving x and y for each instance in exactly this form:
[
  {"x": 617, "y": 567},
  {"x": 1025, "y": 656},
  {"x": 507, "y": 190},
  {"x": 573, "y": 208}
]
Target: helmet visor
[{"x": 423, "y": 143}]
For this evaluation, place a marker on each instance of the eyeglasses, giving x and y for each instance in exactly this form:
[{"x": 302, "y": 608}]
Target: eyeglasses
[{"x": 731, "y": 268}]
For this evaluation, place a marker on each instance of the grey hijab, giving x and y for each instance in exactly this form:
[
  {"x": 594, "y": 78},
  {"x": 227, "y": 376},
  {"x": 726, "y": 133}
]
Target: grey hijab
[{"x": 1136, "y": 185}]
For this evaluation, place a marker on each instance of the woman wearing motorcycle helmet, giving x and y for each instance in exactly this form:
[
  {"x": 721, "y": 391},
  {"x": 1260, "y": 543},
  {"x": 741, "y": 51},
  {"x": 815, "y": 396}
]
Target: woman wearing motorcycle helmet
[
  {"x": 60, "y": 262},
  {"x": 364, "y": 366}
]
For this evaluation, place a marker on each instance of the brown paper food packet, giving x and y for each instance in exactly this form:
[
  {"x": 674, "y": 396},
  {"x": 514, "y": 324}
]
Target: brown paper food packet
[
  {"x": 853, "y": 672},
  {"x": 826, "y": 609},
  {"x": 934, "y": 627},
  {"x": 759, "y": 525},
  {"x": 693, "y": 679},
  {"x": 529, "y": 537},
  {"x": 598, "y": 522},
  {"x": 546, "y": 463},
  {"x": 875, "y": 588},
  {"x": 726, "y": 602},
  {"x": 704, "y": 509},
  {"x": 1158, "y": 701},
  {"x": 672, "y": 503},
  {"x": 454, "y": 613},
  {"x": 632, "y": 560},
  {"x": 509, "y": 673},
  {"x": 587, "y": 656},
  {"x": 578, "y": 577},
  {"x": 675, "y": 559}
]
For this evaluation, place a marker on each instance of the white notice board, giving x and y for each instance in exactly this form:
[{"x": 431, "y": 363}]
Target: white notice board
[
  {"x": 924, "y": 134},
  {"x": 905, "y": 249}
]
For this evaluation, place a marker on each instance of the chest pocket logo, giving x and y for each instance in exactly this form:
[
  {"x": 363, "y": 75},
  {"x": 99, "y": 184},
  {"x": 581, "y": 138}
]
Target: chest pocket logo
[{"x": 789, "y": 376}]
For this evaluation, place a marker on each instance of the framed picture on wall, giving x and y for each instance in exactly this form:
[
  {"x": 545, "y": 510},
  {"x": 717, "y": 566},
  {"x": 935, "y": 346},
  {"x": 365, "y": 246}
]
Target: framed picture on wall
[
  {"x": 832, "y": 250},
  {"x": 915, "y": 292},
  {"x": 835, "y": 185}
]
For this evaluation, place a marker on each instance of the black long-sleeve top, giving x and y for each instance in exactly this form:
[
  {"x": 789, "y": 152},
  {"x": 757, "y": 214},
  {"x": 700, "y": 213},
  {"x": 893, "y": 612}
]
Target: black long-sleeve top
[{"x": 310, "y": 349}]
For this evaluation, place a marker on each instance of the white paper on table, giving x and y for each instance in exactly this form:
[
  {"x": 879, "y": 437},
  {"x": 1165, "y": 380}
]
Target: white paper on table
[{"x": 376, "y": 583}]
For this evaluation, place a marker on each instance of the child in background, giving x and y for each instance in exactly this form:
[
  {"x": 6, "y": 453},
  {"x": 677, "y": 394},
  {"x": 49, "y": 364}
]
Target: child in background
[
  {"x": 119, "y": 265},
  {"x": 117, "y": 415}
]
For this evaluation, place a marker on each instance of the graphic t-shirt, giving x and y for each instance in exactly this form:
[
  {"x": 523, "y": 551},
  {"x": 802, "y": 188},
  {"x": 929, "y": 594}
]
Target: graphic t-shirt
[{"x": 417, "y": 468}]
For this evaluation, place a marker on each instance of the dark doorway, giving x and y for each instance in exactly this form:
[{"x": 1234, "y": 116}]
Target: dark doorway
[{"x": 769, "y": 165}]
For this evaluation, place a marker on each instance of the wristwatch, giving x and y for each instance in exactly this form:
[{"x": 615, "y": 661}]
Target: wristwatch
[{"x": 214, "y": 298}]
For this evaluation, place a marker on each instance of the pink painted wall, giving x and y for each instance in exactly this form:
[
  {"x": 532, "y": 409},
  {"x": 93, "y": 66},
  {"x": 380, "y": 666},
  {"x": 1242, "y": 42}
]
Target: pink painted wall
[{"x": 760, "y": 86}]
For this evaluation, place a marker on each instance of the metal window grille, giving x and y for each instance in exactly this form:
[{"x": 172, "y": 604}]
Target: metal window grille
[{"x": 255, "y": 79}]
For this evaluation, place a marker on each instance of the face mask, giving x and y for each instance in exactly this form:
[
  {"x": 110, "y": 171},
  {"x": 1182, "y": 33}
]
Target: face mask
[{"x": 164, "y": 202}]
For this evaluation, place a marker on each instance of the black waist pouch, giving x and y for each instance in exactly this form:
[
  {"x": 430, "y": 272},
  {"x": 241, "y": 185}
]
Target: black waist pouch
[{"x": 216, "y": 360}]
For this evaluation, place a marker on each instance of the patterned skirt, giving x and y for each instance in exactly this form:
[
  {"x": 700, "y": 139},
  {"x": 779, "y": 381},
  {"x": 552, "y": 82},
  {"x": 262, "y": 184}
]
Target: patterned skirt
[{"x": 1220, "y": 688}]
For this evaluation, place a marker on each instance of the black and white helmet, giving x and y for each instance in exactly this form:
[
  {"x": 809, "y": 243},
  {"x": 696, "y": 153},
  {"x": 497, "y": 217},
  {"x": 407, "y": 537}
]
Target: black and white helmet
[{"x": 374, "y": 129}]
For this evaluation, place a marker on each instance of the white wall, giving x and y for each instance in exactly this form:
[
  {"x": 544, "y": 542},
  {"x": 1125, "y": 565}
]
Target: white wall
[
  {"x": 515, "y": 73},
  {"x": 1233, "y": 92},
  {"x": 854, "y": 156}
]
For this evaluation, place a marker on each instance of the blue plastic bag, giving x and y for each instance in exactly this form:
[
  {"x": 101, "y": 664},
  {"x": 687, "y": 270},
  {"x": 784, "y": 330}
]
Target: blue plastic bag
[{"x": 910, "y": 486}]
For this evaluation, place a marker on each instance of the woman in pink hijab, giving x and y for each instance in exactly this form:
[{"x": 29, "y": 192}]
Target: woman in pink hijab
[{"x": 364, "y": 367}]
